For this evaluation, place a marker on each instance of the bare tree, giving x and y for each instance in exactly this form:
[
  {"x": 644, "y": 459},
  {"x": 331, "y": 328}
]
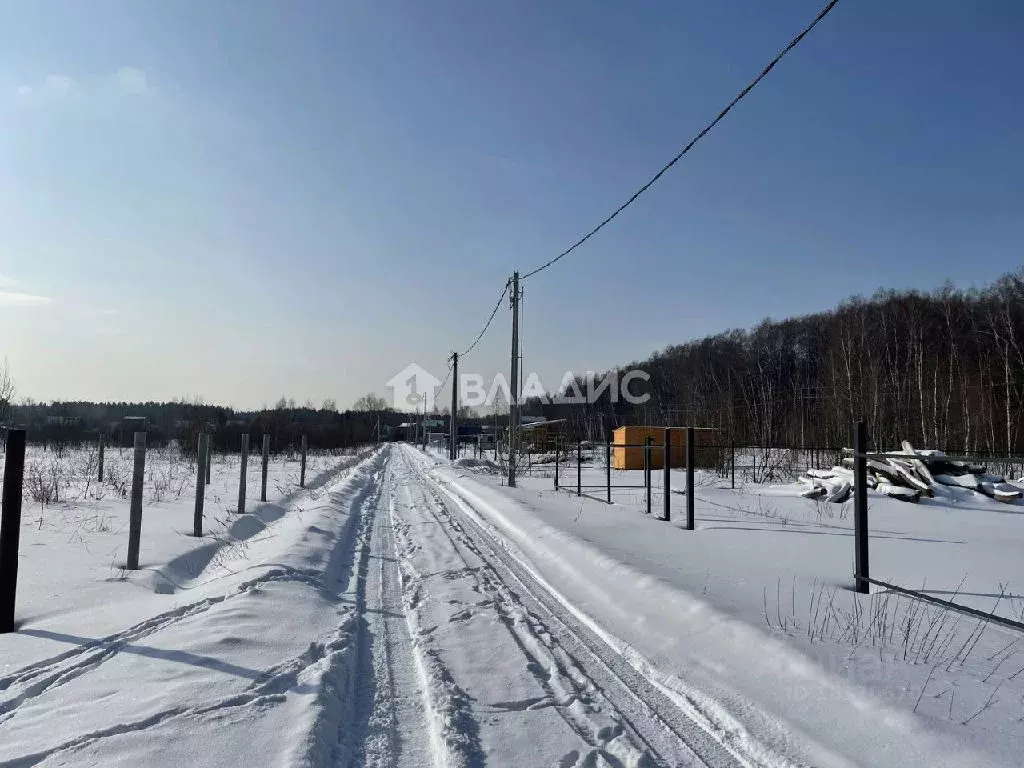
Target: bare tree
[
  {"x": 943, "y": 369},
  {"x": 6, "y": 392},
  {"x": 371, "y": 402}
]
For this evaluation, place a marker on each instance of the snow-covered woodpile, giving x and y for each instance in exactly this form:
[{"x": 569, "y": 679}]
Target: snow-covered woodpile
[{"x": 921, "y": 473}]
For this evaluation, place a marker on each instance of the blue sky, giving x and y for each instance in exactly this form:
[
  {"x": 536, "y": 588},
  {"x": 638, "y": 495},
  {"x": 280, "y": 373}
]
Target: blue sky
[{"x": 244, "y": 200}]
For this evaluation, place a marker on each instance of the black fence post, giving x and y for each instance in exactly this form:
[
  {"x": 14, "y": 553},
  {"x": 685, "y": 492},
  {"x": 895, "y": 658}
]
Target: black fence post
[
  {"x": 732, "y": 446},
  {"x": 579, "y": 467},
  {"x": 667, "y": 459},
  {"x": 860, "y": 508},
  {"x": 10, "y": 526},
  {"x": 99, "y": 467},
  {"x": 203, "y": 451},
  {"x": 266, "y": 464},
  {"x": 556, "y": 463},
  {"x": 243, "y": 474},
  {"x": 691, "y": 456},
  {"x": 647, "y": 470},
  {"x": 608, "y": 465},
  {"x": 135, "y": 510}
]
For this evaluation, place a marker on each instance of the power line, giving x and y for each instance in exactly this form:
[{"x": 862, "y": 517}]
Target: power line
[
  {"x": 792, "y": 44},
  {"x": 441, "y": 387},
  {"x": 487, "y": 325}
]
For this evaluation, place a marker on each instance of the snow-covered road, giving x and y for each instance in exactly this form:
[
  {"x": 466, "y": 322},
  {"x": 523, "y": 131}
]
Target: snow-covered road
[
  {"x": 407, "y": 615},
  {"x": 382, "y": 628}
]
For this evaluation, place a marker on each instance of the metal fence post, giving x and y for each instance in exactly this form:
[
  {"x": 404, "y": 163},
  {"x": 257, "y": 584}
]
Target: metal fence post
[
  {"x": 691, "y": 456},
  {"x": 10, "y": 526},
  {"x": 302, "y": 469},
  {"x": 243, "y": 467},
  {"x": 647, "y": 470},
  {"x": 556, "y": 463},
  {"x": 201, "y": 465},
  {"x": 99, "y": 468},
  {"x": 732, "y": 447},
  {"x": 135, "y": 515},
  {"x": 209, "y": 457},
  {"x": 860, "y": 508},
  {"x": 266, "y": 463},
  {"x": 608, "y": 466},
  {"x": 579, "y": 467},
  {"x": 667, "y": 458}
]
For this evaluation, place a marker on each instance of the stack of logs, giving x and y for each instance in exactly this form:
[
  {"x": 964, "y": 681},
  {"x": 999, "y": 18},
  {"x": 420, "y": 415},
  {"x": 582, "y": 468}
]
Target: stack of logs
[{"x": 921, "y": 473}]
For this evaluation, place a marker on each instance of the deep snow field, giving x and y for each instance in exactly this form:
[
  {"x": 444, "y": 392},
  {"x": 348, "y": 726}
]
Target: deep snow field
[
  {"x": 74, "y": 536},
  {"x": 782, "y": 565}
]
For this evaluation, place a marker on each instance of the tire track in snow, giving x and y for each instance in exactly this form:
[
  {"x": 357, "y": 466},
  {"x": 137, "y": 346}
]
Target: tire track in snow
[
  {"x": 268, "y": 690},
  {"x": 676, "y": 735},
  {"x": 389, "y": 708},
  {"x": 45, "y": 676},
  {"x": 453, "y": 731},
  {"x": 568, "y": 690}
]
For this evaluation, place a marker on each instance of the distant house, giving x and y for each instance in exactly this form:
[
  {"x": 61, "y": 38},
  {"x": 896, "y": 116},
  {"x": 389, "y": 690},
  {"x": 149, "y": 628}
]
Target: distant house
[{"x": 542, "y": 434}]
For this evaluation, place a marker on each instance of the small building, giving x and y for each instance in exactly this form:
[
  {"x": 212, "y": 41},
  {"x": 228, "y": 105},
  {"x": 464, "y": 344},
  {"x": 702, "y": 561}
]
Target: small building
[
  {"x": 542, "y": 435},
  {"x": 628, "y": 447}
]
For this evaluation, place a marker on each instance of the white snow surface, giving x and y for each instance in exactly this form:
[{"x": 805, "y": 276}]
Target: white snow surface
[{"x": 404, "y": 611}]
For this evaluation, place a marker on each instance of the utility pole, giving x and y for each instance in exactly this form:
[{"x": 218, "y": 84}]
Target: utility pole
[
  {"x": 453, "y": 440},
  {"x": 513, "y": 405}
]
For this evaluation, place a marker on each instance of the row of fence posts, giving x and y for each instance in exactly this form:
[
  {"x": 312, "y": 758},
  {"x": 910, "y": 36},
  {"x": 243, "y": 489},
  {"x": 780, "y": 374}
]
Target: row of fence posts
[
  {"x": 860, "y": 495},
  {"x": 648, "y": 447},
  {"x": 11, "y": 502},
  {"x": 14, "y": 468}
]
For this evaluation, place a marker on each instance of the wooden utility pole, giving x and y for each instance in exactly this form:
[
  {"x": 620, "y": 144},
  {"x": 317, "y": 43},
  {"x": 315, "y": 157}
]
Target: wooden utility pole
[{"x": 513, "y": 405}]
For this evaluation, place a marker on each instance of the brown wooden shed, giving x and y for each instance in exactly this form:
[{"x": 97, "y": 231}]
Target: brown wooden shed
[{"x": 628, "y": 451}]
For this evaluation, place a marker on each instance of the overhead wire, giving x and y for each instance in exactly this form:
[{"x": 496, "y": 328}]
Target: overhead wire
[
  {"x": 704, "y": 131},
  {"x": 653, "y": 180},
  {"x": 487, "y": 325}
]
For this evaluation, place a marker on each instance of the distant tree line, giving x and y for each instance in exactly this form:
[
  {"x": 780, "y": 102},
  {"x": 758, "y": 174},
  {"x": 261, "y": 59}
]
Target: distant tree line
[
  {"x": 75, "y": 422},
  {"x": 942, "y": 369}
]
